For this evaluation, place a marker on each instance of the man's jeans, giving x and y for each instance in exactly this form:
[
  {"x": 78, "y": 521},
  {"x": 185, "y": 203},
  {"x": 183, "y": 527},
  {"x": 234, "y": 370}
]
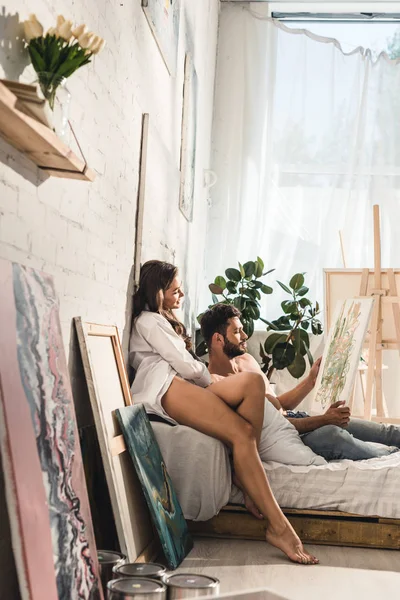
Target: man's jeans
[{"x": 354, "y": 442}]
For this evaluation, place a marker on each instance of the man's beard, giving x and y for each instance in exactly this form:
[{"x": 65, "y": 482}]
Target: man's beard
[{"x": 232, "y": 350}]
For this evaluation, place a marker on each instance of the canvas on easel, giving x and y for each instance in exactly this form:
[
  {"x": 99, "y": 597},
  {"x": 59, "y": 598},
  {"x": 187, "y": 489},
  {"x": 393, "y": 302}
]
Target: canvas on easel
[
  {"x": 382, "y": 285},
  {"x": 47, "y": 501},
  {"x": 342, "y": 353}
]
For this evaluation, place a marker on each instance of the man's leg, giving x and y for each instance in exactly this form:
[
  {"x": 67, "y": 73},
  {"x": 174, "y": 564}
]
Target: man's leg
[
  {"x": 380, "y": 433},
  {"x": 335, "y": 443}
]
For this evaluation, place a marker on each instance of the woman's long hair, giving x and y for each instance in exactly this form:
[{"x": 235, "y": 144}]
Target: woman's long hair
[{"x": 155, "y": 278}]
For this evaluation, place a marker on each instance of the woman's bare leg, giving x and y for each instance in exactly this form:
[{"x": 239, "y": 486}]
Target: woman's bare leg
[
  {"x": 246, "y": 394},
  {"x": 202, "y": 410}
]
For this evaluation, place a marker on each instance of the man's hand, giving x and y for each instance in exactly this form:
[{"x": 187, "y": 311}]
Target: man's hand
[
  {"x": 313, "y": 374},
  {"x": 338, "y": 414}
]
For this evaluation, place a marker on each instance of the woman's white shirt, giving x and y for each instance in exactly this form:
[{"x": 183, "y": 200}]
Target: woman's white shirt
[{"x": 158, "y": 353}]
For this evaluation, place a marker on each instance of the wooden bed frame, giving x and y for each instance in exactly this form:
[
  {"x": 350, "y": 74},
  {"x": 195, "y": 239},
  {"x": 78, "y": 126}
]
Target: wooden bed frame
[{"x": 331, "y": 528}]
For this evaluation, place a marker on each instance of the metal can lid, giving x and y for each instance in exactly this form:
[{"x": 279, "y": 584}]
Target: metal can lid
[
  {"x": 136, "y": 585},
  {"x": 189, "y": 580},
  {"x": 109, "y": 556},
  {"x": 139, "y": 570}
]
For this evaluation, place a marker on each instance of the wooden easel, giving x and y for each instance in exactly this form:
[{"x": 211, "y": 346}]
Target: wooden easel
[{"x": 376, "y": 343}]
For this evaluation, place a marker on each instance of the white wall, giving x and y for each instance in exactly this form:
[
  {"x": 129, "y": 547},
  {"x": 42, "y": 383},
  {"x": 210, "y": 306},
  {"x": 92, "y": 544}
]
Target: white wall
[{"x": 83, "y": 233}]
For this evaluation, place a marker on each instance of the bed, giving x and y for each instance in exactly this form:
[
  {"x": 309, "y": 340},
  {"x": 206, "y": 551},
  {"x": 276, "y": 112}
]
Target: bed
[{"x": 345, "y": 502}]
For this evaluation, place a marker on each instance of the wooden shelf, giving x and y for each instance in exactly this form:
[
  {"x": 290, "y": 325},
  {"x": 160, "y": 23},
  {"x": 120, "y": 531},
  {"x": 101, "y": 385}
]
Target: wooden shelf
[{"x": 38, "y": 142}]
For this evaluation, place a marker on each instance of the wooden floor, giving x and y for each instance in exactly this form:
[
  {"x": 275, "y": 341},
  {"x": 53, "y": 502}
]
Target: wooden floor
[{"x": 345, "y": 573}]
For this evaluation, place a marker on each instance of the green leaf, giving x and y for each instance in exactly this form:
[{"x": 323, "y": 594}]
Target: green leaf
[
  {"x": 248, "y": 327},
  {"x": 261, "y": 263},
  {"x": 294, "y": 316},
  {"x": 239, "y": 302},
  {"x": 271, "y": 325},
  {"x": 302, "y": 291},
  {"x": 316, "y": 327},
  {"x": 233, "y": 274},
  {"x": 317, "y": 306},
  {"x": 304, "y": 337},
  {"x": 284, "y": 287},
  {"x": 297, "y": 281},
  {"x": 297, "y": 367},
  {"x": 252, "y": 311},
  {"x": 256, "y": 284},
  {"x": 199, "y": 317},
  {"x": 268, "y": 272},
  {"x": 304, "y": 302},
  {"x": 310, "y": 357},
  {"x": 303, "y": 347},
  {"x": 249, "y": 269},
  {"x": 231, "y": 287},
  {"x": 250, "y": 293},
  {"x": 305, "y": 325},
  {"x": 37, "y": 60},
  {"x": 282, "y": 324},
  {"x": 272, "y": 340},
  {"x": 241, "y": 269},
  {"x": 283, "y": 355},
  {"x": 288, "y": 306},
  {"x": 201, "y": 348},
  {"x": 219, "y": 280},
  {"x": 266, "y": 289},
  {"x": 215, "y": 289},
  {"x": 215, "y": 299}
]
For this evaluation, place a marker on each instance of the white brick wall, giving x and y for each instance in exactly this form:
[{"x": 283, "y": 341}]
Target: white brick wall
[{"x": 83, "y": 233}]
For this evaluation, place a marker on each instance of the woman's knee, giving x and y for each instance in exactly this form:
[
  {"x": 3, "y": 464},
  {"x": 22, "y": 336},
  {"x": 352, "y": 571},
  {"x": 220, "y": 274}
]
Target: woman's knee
[
  {"x": 253, "y": 382},
  {"x": 244, "y": 434}
]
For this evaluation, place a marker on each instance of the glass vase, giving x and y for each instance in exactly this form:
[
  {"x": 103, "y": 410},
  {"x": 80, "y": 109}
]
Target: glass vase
[{"x": 55, "y": 91}]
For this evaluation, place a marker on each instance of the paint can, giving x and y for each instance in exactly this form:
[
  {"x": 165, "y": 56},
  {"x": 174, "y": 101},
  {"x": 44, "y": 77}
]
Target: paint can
[
  {"x": 108, "y": 559},
  {"x": 188, "y": 585},
  {"x": 139, "y": 588},
  {"x": 147, "y": 570}
]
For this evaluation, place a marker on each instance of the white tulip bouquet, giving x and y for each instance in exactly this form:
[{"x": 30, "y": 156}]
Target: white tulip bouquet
[{"x": 57, "y": 54}]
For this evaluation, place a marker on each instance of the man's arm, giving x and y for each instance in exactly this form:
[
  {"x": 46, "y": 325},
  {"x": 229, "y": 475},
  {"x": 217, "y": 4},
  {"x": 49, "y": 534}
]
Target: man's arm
[
  {"x": 337, "y": 414},
  {"x": 290, "y": 400}
]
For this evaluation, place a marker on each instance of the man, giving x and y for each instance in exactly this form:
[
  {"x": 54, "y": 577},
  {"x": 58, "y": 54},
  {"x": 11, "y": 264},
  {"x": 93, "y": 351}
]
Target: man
[{"x": 333, "y": 435}]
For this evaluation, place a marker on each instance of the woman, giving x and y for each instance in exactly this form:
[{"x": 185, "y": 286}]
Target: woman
[{"x": 179, "y": 388}]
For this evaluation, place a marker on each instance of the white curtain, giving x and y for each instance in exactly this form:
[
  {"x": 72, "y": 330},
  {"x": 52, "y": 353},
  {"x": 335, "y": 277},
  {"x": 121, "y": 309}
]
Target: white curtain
[{"x": 306, "y": 139}]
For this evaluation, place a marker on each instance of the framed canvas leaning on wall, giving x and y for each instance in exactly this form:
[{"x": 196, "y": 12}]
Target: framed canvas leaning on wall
[
  {"x": 342, "y": 353},
  {"x": 163, "y": 17},
  {"x": 47, "y": 501}
]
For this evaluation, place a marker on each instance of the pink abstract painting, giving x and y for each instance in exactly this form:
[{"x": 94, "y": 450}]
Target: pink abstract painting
[{"x": 47, "y": 500}]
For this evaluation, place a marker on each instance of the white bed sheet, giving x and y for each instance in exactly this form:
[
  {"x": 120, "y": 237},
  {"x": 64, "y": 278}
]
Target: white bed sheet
[
  {"x": 200, "y": 470},
  {"x": 366, "y": 487}
]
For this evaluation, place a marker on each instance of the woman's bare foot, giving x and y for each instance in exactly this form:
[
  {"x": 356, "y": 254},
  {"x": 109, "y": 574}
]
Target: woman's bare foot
[
  {"x": 248, "y": 502},
  {"x": 286, "y": 539}
]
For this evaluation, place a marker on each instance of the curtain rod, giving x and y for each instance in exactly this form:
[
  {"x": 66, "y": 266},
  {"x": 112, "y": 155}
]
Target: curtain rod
[{"x": 337, "y": 17}]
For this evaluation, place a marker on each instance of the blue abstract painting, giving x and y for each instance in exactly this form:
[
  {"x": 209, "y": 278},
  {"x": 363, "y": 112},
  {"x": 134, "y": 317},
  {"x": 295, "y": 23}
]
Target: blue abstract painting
[{"x": 160, "y": 495}]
